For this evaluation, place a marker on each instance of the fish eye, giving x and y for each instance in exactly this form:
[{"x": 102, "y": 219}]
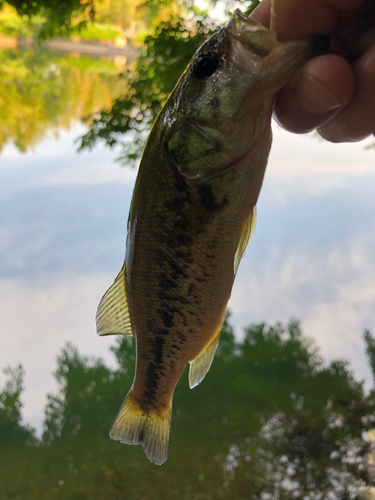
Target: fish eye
[{"x": 205, "y": 65}]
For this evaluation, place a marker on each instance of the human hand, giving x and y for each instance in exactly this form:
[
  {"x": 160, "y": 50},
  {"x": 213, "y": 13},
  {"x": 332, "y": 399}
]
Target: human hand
[{"x": 334, "y": 93}]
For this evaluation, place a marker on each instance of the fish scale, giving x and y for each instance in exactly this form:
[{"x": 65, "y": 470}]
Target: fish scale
[{"x": 192, "y": 216}]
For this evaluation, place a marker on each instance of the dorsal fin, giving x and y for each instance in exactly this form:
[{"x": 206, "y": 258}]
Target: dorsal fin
[
  {"x": 112, "y": 316},
  {"x": 247, "y": 234},
  {"x": 200, "y": 365}
]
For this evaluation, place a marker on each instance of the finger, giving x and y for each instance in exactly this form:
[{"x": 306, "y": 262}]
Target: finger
[
  {"x": 357, "y": 29},
  {"x": 296, "y": 19},
  {"x": 262, "y": 13},
  {"x": 322, "y": 88},
  {"x": 357, "y": 120}
]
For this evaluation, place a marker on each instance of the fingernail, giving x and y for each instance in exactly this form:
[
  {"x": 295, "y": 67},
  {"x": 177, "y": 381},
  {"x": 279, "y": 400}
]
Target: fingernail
[{"x": 314, "y": 97}]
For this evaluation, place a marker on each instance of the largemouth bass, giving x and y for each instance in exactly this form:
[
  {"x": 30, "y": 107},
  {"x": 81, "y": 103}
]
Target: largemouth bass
[{"x": 192, "y": 216}]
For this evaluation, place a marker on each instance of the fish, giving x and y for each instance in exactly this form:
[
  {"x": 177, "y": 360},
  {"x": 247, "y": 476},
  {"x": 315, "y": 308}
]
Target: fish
[{"x": 192, "y": 216}]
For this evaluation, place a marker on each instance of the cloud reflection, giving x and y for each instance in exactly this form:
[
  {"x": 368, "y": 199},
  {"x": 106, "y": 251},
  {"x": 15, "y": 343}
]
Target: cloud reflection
[
  {"x": 36, "y": 322},
  {"x": 62, "y": 239},
  {"x": 306, "y": 167},
  {"x": 333, "y": 293}
]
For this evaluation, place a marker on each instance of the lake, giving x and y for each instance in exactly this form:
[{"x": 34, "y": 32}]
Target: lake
[{"x": 63, "y": 222}]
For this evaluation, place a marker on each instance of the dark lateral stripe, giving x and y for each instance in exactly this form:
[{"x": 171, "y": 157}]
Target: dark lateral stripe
[
  {"x": 166, "y": 283},
  {"x": 155, "y": 370}
]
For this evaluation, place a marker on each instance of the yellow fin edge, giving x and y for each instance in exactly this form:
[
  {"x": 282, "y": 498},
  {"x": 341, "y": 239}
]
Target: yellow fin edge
[
  {"x": 246, "y": 236},
  {"x": 200, "y": 365},
  {"x": 151, "y": 429},
  {"x": 112, "y": 316}
]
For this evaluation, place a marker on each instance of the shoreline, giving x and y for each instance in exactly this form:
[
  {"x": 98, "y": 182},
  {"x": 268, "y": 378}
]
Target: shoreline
[{"x": 65, "y": 45}]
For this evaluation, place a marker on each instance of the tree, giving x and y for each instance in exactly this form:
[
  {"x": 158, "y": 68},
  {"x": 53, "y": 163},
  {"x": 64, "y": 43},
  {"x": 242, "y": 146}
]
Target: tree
[
  {"x": 270, "y": 420},
  {"x": 179, "y": 28},
  {"x": 61, "y": 18},
  {"x": 40, "y": 92},
  {"x": 323, "y": 447},
  {"x": 12, "y": 431},
  {"x": 119, "y": 12},
  {"x": 165, "y": 56}
]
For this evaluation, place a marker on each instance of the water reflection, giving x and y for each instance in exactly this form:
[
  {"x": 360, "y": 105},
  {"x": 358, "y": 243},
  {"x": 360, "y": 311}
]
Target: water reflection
[
  {"x": 312, "y": 256},
  {"x": 40, "y": 91},
  {"x": 62, "y": 227},
  {"x": 63, "y": 224}
]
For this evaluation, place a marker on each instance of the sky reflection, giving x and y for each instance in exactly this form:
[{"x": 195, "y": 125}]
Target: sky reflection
[{"x": 62, "y": 240}]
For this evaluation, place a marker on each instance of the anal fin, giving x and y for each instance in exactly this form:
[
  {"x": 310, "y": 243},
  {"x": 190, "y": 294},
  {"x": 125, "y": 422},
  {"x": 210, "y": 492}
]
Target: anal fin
[
  {"x": 151, "y": 429},
  {"x": 112, "y": 316},
  {"x": 200, "y": 365}
]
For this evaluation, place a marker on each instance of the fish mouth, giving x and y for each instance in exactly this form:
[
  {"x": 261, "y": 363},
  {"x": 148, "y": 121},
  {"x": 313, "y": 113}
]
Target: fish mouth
[
  {"x": 253, "y": 36},
  {"x": 264, "y": 66},
  {"x": 255, "y": 49}
]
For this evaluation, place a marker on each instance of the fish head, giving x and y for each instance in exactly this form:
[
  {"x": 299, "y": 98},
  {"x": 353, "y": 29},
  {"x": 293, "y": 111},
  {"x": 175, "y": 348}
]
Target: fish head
[{"x": 224, "y": 100}]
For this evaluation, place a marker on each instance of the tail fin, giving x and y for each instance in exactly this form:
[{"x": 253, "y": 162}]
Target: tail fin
[{"x": 152, "y": 429}]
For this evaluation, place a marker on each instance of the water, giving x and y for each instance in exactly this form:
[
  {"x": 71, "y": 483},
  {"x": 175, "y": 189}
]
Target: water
[{"x": 63, "y": 225}]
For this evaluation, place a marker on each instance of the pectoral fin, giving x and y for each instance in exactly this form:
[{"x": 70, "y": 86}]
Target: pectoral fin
[
  {"x": 200, "y": 365},
  {"x": 112, "y": 316},
  {"x": 247, "y": 234}
]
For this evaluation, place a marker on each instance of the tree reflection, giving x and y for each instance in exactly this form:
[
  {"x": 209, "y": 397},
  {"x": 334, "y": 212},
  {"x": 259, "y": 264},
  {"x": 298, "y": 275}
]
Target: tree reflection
[
  {"x": 270, "y": 421},
  {"x": 166, "y": 54},
  {"x": 301, "y": 455},
  {"x": 40, "y": 92}
]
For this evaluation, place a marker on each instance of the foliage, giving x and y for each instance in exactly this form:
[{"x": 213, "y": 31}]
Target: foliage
[
  {"x": 271, "y": 420},
  {"x": 253, "y": 5},
  {"x": 301, "y": 455},
  {"x": 52, "y": 18},
  {"x": 109, "y": 24},
  {"x": 59, "y": 18},
  {"x": 11, "y": 24},
  {"x": 181, "y": 29},
  {"x": 12, "y": 432},
  {"x": 39, "y": 91},
  {"x": 116, "y": 12},
  {"x": 370, "y": 349},
  {"x": 166, "y": 54},
  {"x": 100, "y": 32}
]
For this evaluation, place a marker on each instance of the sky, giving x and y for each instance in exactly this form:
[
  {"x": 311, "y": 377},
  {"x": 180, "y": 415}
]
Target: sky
[{"x": 63, "y": 222}]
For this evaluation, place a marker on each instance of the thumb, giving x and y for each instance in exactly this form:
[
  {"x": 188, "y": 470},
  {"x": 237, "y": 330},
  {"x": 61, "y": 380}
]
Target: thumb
[{"x": 320, "y": 90}]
